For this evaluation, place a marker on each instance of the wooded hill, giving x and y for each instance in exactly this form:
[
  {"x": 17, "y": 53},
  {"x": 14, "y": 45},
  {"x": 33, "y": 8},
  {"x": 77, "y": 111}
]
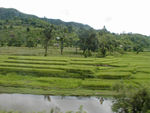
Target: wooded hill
[{"x": 19, "y": 29}]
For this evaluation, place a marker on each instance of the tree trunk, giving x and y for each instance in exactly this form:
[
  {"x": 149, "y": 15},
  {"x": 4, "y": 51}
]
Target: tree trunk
[
  {"x": 61, "y": 51},
  {"x": 62, "y": 47},
  {"x": 76, "y": 49},
  {"x": 46, "y": 48}
]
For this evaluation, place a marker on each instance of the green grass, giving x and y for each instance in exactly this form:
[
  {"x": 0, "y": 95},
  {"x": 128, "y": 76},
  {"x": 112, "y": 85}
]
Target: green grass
[
  {"x": 65, "y": 75},
  {"x": 39, "y": 51}
]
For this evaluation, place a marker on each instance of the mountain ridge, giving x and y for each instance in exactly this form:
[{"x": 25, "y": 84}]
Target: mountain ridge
[{"x": 11, "y": 13}]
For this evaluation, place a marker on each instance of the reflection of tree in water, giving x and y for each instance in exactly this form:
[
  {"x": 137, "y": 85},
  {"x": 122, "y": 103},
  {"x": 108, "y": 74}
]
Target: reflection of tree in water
[
  {"x": 82, "y": 97},
  {"x": 47, "y": 97},
  {"x": 101, "y": 100},
  {"x": 55, "y": 110},
  {"x": 79, "y": 97},
  {"x": 62, "y": 97},
  {"x": 58, "y": 110}
]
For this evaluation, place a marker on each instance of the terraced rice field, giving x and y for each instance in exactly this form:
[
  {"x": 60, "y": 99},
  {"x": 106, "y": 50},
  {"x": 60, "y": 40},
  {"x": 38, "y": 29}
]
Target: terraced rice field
[{"x": 72, "y": 76}]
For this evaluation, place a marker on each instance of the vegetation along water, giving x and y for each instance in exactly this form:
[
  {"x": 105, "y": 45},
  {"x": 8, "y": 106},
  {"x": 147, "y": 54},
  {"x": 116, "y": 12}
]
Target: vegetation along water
[{"x": 52, "y": 57}]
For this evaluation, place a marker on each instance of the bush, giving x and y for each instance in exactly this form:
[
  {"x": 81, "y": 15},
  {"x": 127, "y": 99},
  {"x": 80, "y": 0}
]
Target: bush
[
  {"x": 132, "y": 101},
  {"x": 87, "y": 53}
]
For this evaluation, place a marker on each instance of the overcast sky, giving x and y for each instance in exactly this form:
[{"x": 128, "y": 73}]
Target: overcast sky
[{"x": 117, "y": 15}]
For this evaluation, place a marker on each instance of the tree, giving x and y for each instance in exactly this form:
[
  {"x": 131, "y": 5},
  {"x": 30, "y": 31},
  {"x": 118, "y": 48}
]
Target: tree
[
  {"x": 30, "y": 42},
  {"x": 62, "y": 34},
  {"x": 103, "y": 47},
  {"x": 88, "y": 40},
  {"x": 49, "y": 33},
  {"x": 138, "y": 49},
  {"x": 28, "y": 29},
  {"x": 76, "y": 44},
  {"x": 62, "y": 38},
  {"x": 107, "y": 42},
  {"x": 132, "y": 101}
]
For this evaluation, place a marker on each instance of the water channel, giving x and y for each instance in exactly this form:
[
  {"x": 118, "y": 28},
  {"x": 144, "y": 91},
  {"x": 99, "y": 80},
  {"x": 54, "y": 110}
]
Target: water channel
[{"x": 26, "y": 103}]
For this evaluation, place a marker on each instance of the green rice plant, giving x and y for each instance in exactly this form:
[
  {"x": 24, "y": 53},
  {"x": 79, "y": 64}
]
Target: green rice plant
[
  {"x": 83, "y": 72},
  {"x": 123, "y": 69},
  {"x": 141, "y": 75},
  {"x": 59, "y": 67},
  {"x": 71, "y": 75},
  {"x": 33, "y": 72},
  {"x": 61, "y": 82},
  {"x": 37, "y": 59},
  {"x": 113, "y": 75},
  {"x": 81, "y": 63},
  {"x": 82, "y": 59},
  {"x": 35, "y": 62},
  {"x": 144, "y": 70},
  {"x": 44, "y": 72},
  {"x": 100, "y": 84}
]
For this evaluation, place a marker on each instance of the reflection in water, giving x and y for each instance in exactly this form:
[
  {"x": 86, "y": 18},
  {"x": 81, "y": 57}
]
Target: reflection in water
[
  {"x": 38, "y": 103},
  {"x": 47, "y": 97},
  {"x": 62, "y": 97},
  {"x": 101, "y": 100},
  {"x": 55, "y": 110}
]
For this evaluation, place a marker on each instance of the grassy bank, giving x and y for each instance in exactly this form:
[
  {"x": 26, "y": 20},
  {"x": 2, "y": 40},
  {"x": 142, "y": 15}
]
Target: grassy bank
[{"x": 63, "y": 75}]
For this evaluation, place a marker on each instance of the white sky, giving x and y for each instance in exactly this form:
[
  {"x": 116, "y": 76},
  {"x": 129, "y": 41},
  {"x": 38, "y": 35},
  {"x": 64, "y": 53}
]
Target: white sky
[{"x": 117, "y": 15}]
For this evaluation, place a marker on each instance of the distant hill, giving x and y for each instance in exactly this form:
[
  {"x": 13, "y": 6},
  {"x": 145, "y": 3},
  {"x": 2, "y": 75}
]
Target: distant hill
[
  {"x": 73, "y": 24},
  {"x": 10, "y": 13},
  {"x": 20, "y": 29}
]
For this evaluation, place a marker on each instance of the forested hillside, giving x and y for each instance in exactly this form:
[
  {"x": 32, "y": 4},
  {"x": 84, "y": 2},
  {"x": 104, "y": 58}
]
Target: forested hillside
[{"x": 23, "y": 30}]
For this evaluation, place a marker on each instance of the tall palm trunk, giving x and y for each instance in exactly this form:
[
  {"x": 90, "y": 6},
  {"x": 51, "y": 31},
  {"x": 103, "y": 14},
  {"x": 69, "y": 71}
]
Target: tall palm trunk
[
  {"x": 62, "y": 46},
  {"x": 46, "y": 47}
]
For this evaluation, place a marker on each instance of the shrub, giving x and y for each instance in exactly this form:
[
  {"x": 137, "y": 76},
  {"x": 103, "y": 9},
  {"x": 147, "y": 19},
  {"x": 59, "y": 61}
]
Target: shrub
[
  {"x": 132, "y": 101},
  {"x": 87, "y": 53}
]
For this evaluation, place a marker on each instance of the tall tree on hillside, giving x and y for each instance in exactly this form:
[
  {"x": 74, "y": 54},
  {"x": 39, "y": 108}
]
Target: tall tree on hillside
[
  {"x": 62, "y": 33},
  {"x": 49, "y": 34},
  {"x": 88, "y": 40},
  {"x": 107, "y": 42},
  {"x": 138, "y": 49}
]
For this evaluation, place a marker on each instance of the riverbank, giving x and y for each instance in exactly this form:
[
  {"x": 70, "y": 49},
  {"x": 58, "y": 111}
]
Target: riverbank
[{"x": 57, "y": 92}]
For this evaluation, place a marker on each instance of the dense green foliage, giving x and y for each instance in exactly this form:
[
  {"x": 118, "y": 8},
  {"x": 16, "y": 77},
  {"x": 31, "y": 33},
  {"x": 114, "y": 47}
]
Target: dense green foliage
[
  {"x": 22, "y": 30},
  {"x": 132, "y": 100}
]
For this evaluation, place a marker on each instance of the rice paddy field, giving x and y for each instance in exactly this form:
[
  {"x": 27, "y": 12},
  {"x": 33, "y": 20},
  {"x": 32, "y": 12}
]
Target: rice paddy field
[{"x": 30, "y": 72}]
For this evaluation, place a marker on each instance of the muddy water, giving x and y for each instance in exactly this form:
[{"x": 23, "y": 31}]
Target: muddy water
[{"x": 40, "y": 103}]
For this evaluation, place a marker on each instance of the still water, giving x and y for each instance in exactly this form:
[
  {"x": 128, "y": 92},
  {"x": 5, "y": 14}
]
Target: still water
[{"x": 40, "y": 103}]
